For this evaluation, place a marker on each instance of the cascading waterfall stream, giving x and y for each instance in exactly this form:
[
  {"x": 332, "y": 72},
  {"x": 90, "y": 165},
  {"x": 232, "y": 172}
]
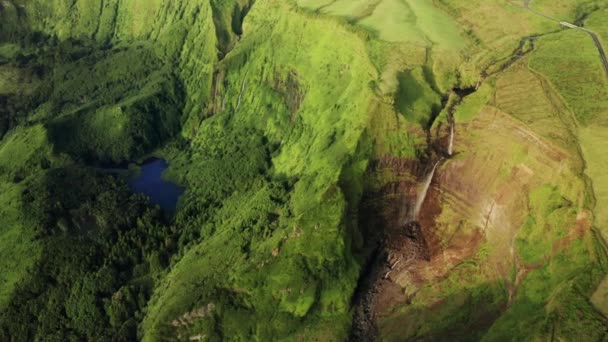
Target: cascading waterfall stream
[
  {"x": 451, "y": 142},
  {"x": 242, "y": 91},
  {"x": 423, "y": 191}
]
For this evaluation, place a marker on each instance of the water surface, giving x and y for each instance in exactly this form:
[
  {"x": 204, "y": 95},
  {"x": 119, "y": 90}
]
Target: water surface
[{"x": 150, "y": 183}]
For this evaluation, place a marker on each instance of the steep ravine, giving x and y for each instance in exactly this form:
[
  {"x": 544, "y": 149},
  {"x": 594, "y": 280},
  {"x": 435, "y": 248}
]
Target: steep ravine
[
  {"x": 407, "y": 247},
  {"x": 401, "y": 243}
]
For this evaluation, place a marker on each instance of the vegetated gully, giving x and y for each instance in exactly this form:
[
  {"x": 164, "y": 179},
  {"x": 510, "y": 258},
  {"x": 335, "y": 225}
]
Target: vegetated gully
[{"x": 397, "y": 248}]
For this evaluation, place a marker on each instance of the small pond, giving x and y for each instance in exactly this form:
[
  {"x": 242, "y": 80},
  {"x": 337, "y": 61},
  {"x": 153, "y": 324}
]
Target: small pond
[{"x": 150, "y": 183}]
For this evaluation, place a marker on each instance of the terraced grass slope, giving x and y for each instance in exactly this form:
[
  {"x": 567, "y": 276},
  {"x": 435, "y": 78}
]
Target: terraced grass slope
[{"x": 304, "y": 133}]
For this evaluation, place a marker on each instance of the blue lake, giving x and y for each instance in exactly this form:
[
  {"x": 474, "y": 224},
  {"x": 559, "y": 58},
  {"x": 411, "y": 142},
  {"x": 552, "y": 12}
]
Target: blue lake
[{"x": 150, "y": 183}]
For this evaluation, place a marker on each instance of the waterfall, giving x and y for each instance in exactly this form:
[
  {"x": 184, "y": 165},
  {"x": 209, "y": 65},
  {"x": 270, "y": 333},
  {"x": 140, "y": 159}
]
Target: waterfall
[
  {"x": 242, "y": 91},
  {"x": 422, "y": 192},
  {"x": 451, "y": 143}
]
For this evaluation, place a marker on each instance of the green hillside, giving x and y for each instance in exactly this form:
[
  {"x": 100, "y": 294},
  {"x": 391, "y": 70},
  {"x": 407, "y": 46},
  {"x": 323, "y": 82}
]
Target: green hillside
[{"x": 352, "y": 170}]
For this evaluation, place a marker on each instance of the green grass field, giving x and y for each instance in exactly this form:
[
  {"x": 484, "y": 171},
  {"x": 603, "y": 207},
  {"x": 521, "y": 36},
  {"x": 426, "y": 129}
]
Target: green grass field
[
  {"x": 598, "y": 22},
  {"x": 576, "y": 75},
  {"x": 417, "y": 22}
]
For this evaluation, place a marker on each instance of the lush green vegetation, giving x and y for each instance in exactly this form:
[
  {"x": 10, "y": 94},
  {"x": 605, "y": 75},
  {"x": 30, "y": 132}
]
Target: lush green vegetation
[
  {"x": 274, "y": 116},
  {"x": 274, "y": 183},
  {"x": 577, "y": 76},
  {"x": 97, "y": 263}
]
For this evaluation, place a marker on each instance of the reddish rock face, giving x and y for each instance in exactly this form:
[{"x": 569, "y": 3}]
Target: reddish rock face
[{"x": 479, "y": 197}]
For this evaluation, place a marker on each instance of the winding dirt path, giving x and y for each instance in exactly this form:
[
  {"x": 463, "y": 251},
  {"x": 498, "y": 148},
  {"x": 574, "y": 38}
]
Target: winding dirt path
[{"x": 594, "y": 36}]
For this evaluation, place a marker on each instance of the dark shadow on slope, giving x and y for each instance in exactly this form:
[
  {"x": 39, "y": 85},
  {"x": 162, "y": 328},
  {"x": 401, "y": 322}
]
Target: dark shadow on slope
[
  {"x": 102, "y": 108},
  {"x": 238, "y": 17},
  {"x": 415, "y": 98},
  {"x": 462, "y": 316},
  {"x": 228, "y": 18}
]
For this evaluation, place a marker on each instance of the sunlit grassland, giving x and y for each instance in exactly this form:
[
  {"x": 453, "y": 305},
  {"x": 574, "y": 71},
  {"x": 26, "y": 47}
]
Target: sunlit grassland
[
  {"x": 553, "y": 290},
  {"x": 598, "y": 22},
  {"x": 418, "y": 22},
  {"x": 577, "y": 77},
  {"x": 594, "y": 143},
  {"x": 528, "y": 97},
  {"x": 437, "y": 27},
  {"x": 496, "y": 26},
  {"x": 552, "y": 216},
  {"x": 472, "y": 104},
  {"x": 313, "y": 4},
  {"x": 567, "y": 10},
  {"x": 394, "y": 21},
  {"x": 353, "y": 10},
  {"x": 414, "y": 25},
  {"x": 561, "y": 9},
  {"x": 138, "y": 17},
  {"x": 576, "y": 74}
]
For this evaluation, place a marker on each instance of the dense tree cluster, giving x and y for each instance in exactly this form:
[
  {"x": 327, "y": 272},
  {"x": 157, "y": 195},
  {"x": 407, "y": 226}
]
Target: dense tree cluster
[{"x": 103, "y": 248}]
